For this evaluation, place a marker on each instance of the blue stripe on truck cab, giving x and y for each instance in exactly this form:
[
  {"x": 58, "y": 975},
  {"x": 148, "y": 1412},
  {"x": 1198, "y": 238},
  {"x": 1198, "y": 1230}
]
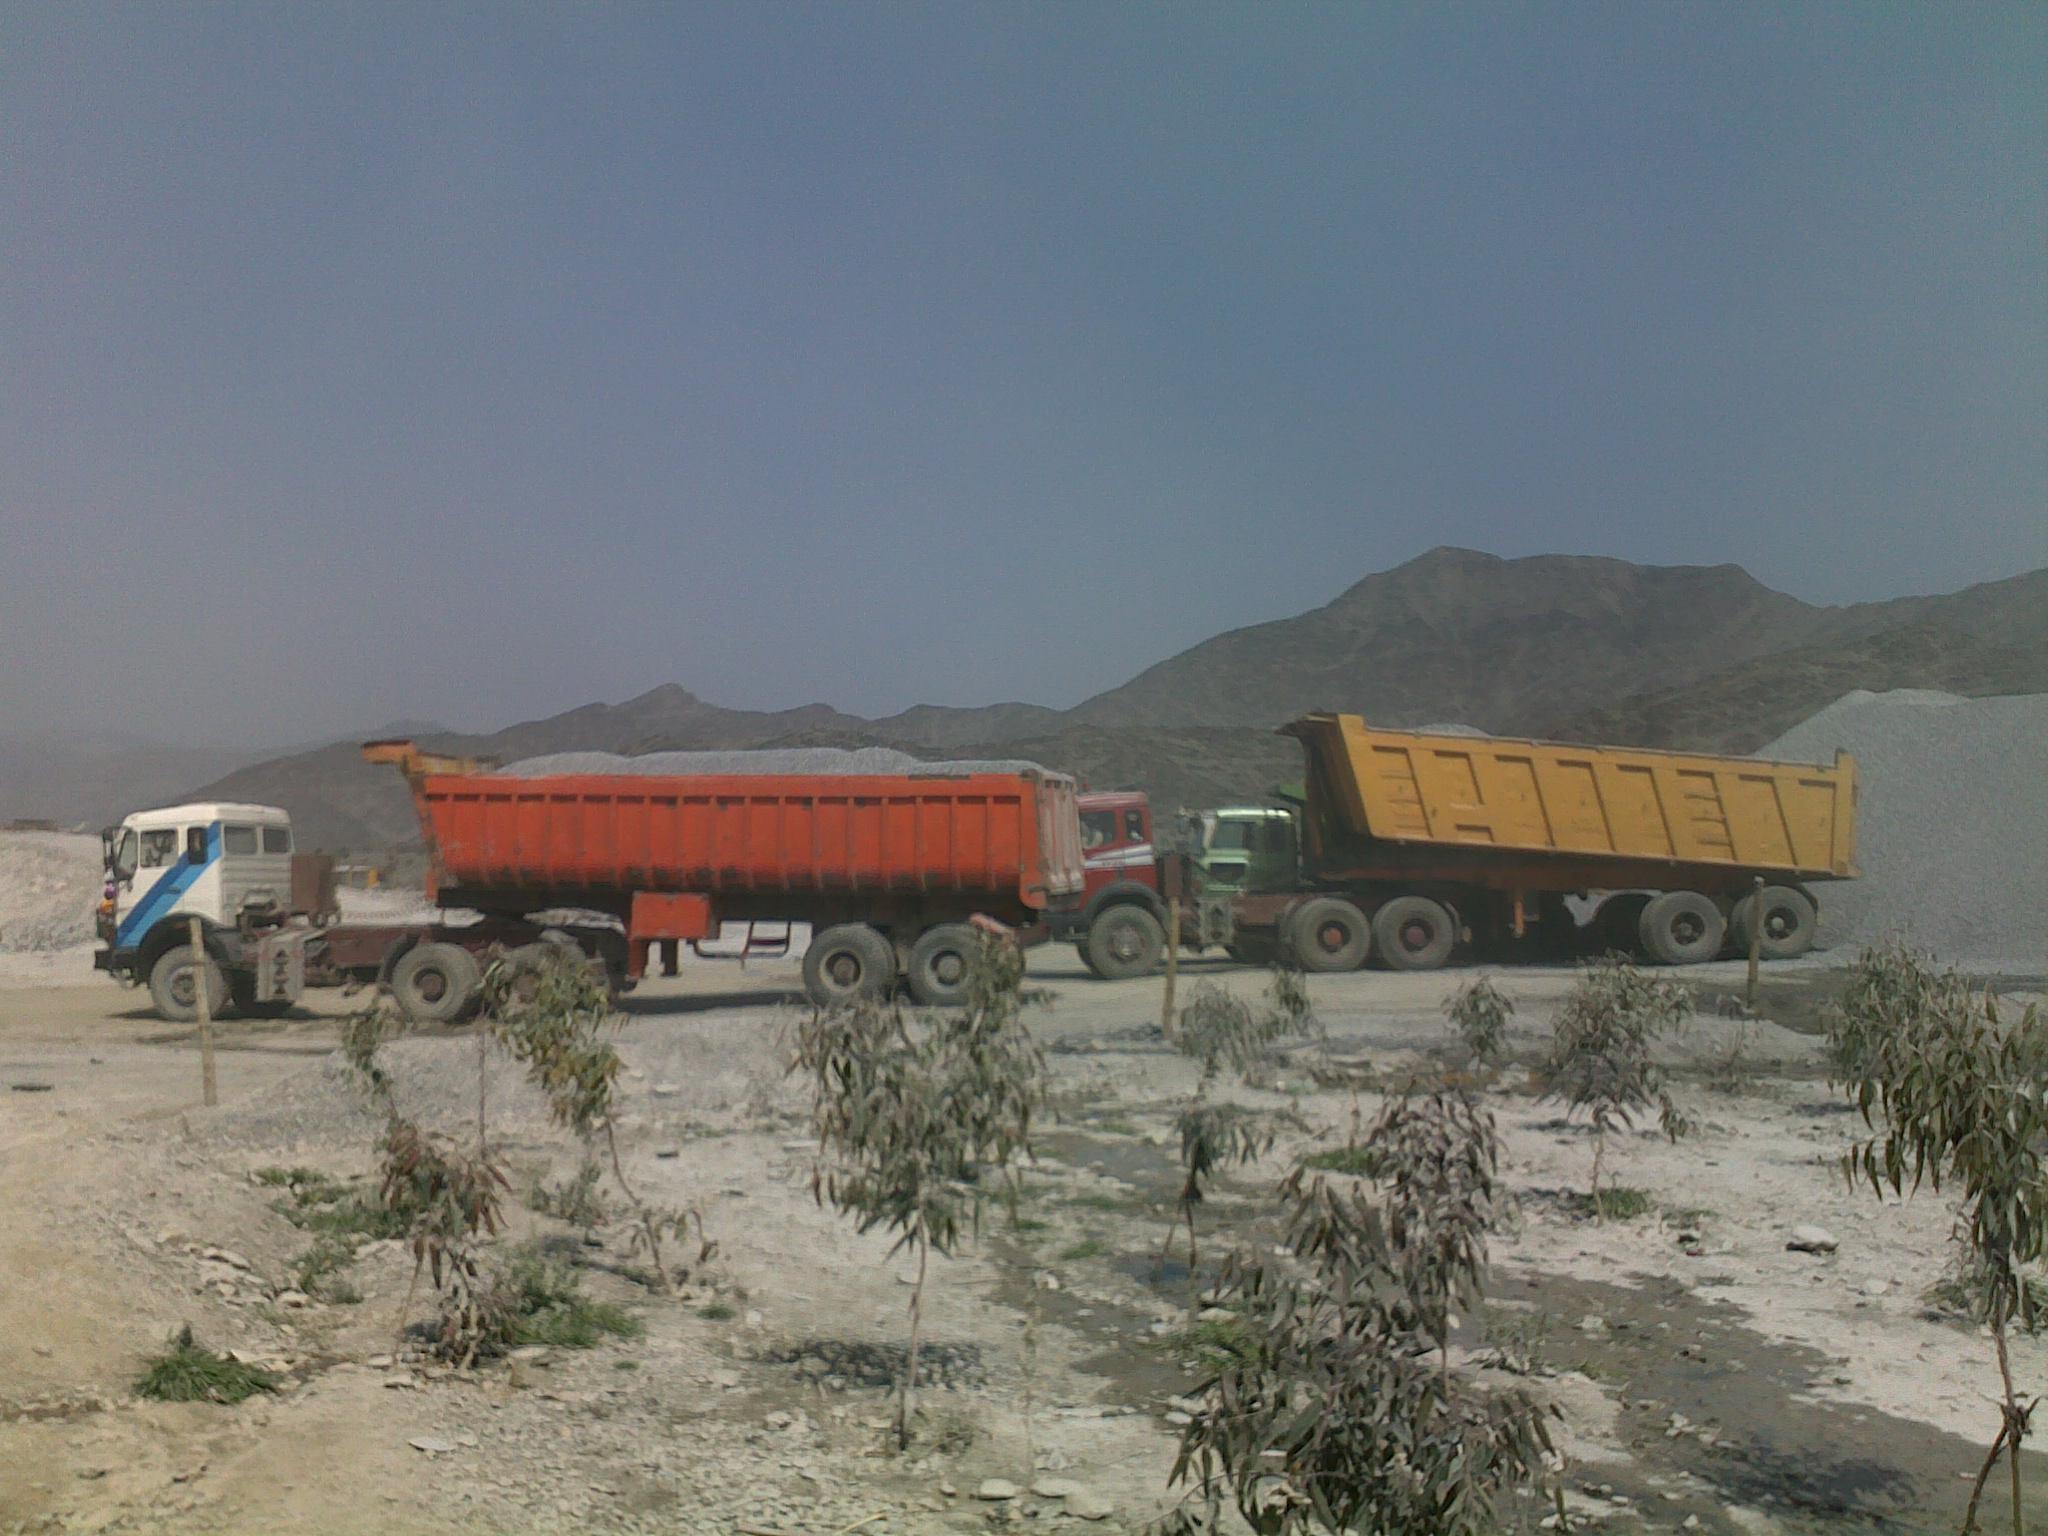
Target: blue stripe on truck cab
[{"x": 163, "y": 896}]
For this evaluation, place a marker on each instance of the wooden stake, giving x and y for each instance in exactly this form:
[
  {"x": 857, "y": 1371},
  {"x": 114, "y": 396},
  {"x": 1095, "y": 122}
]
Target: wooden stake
[
  {"x": 1756, "y": 936},
  {"x": 1166, "y": 1018},
  {"x": 202, "y": 997}
]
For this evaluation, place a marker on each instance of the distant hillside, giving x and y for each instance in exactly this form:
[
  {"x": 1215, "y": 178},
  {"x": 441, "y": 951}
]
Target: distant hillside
[{"x": 1572, "y": 647}]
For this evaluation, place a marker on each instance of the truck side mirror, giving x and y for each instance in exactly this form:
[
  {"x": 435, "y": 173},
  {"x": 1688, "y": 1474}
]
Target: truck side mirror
[{"x": 195, "y": 845}]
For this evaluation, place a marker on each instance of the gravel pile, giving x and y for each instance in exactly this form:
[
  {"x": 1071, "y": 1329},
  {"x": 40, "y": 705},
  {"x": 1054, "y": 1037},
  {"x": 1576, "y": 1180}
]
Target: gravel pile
[
  {"x": 49, "y": 885},
  {"x": 820, "y": 760},
  {"x": 1952, "y": 823}
]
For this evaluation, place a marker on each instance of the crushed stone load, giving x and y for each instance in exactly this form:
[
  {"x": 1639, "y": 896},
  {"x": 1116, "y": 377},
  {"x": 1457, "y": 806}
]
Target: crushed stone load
[
  {"x": 820, "y": 760},
  {"x": 1952, "y": 822},
  {"x": 49, "y": 886}
]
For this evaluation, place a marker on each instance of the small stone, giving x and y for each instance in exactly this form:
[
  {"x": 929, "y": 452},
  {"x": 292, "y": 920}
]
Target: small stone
[
  {"x": 293, "y": 1299},
  {"x": 433, "y": 1445},
  {"x": 1089, "y": 1506},
  {"x": 225, "y": 1256},
  {"x": 668, "y": 1152},
  {"x": 753, "y": 1318},
  {"x": 1592, "y": 1323},
  {"x": 1876, "y": 1287},
  {"x": 1215, "y": 1315},
  {"x": 996, "y": 1489},
  {"x": 948, "y": 1489},
  {"x": 383, "y": 1362},
  {"x": 1179, "y": 1420},
  {"x": 1055, "y": 1487},
  {"x": 1810, "y": 1239}
]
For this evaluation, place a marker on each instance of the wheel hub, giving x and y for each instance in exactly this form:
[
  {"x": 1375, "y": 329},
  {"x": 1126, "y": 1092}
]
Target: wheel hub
[
  {"x": 949, "y": 968},
  {"x": 433, "y": 986},
  {"x": 1331, "y": 937},
  {"x": 843, "y": 968},
  {"x": 1415, "y": 935},
  {"x": 1687, "y": 928}
]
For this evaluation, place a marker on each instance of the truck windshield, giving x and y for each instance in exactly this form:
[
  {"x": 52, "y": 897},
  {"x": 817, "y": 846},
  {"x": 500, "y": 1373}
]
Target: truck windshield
[
  {"x": 1098, "y": 828},
  {"x": 121, "y": 858},
  {"x": 1232, "y": 835}
]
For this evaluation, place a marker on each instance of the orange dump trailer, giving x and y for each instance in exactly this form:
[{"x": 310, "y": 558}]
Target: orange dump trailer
[
  {"x": 1413, "y": 842},
  {"x": 889, "y": 870}
]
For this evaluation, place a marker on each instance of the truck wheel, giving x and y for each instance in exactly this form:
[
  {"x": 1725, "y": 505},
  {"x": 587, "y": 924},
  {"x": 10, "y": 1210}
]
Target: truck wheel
[
  {"x": 174, "y": 987},
  {"x": 1414, "y": 933},
  {"x": 1681, "y": 928},
  {"x": 1617, "y": 926},
  {"x": 1789, "y": 921},
  {"x": 848, "y": 963},
  {"x": 1329, "y": 933},
  {"x": 937, "y": 970},
  {"x": 1124, "y": 942},
  {"x": 1081, "y": 949},
  {"x": 433, "y": 983}
]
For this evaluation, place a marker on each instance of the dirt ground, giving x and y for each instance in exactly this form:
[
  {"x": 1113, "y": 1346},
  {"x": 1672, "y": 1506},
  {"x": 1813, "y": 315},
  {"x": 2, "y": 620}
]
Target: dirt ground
[{"x": 1709, "y": 1379}]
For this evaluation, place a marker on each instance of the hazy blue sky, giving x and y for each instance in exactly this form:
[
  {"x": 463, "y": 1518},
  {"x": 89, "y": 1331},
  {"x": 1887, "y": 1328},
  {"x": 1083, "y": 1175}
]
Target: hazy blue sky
[{"x": 373, "y": 360}]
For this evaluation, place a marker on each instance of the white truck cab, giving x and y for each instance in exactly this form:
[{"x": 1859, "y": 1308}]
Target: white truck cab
[{"x": 225, "y": 863}]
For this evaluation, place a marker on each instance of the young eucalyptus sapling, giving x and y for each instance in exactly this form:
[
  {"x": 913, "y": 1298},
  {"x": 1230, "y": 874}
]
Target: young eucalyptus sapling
[
  {"x": 1218, "y": 1030},
  {"x": 1960, "y": 1097},
  {"x": 1479, "y": 1012},
  {"x": 1599, "y": 1061},
  {"x": 549, "y": 1006},
  {"x": 918, "y": 1119},
  {"x": 1341, "y": 1413}
]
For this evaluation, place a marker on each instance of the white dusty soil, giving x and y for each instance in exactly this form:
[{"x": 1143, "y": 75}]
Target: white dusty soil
[{"x": 1813, "y": 1392}]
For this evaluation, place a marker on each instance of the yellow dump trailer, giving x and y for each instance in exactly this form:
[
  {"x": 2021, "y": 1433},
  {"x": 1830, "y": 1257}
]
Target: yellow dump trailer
[
  {"x": 1755, "y": 817},
  {"x": 1412, "y": 842}
]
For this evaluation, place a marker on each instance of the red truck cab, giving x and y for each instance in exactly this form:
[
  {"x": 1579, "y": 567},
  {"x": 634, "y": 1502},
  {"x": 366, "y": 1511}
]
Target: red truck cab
[{"x": 1118, "y": 922}]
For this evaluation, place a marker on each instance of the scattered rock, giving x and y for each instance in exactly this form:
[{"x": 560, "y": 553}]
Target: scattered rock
[
  {"x": 1055, "y": 1487},
  {"x": 433, "y": 1445},
  {"x": 225, "y": 1256},
  {"x": 996, "y": 1489},
  {"x": 1084, "y": 1505},
  {"x": 1810, "y": 1239}
]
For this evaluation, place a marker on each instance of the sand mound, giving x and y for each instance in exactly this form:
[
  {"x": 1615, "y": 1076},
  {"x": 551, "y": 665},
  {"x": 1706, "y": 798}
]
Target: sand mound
[
  {"x": 49, "y": 885},
  {"x": 1952, "y": 823}
]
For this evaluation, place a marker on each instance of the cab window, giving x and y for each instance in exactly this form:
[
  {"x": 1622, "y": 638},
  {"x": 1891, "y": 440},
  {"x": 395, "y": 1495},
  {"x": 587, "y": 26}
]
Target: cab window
[
  {"x": 1232, "y": 835},
  {"x": 277, "y": 839},
  {"x": 160, "y": 848},
  {"x": 238, "y": 839},
  {"x": 1134, "y": 825},
  {"x": 1098, "y": 829},
  {"x": 125, "y": 856}
]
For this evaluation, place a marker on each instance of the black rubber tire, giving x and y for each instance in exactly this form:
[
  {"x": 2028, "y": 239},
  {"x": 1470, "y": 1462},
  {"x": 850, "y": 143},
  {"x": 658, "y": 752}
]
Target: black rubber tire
[
  {"x": 173, "y": 992},
  {"x": 1790, "y": 919},
  {"x": 1329, "y": 934},
  {"x": 1414, "y": 933},
  {"x": 1125, "y": 941},
  {"x": 434, "y": 983},
  {"x": 849, "y": 963},
  {"x": 1682, "y": 928},
  {"x": 1081, "y": 949},
  {"x": 1617, "y": 926},
  {"x": 936, "y": 972}
]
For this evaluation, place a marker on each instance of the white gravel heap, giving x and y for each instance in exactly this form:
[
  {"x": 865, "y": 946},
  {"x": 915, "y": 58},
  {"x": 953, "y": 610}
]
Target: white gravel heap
[
  {"x": 49, "y": 885},
  {"x": 820, "y": 760},
  {"x": 1952, "y": 822}
]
